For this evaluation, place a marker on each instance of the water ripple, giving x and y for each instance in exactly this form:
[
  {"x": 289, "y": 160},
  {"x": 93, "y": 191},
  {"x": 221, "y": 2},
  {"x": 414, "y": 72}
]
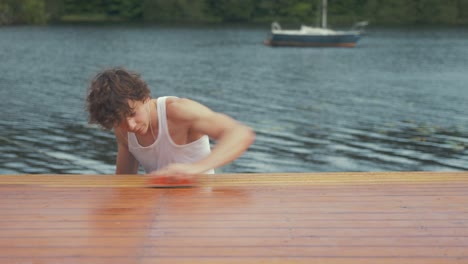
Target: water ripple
[{"x": 396, "y": 102}]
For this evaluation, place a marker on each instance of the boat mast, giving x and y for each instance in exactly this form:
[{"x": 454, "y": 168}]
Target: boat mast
[{"x": 324, "y": 13}]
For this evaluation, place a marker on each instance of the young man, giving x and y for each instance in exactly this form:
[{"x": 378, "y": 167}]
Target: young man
[{"x": 168, "y": 136}]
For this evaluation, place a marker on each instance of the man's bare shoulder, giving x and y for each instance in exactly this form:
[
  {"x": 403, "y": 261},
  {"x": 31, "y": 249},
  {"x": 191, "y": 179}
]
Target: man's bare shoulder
[
  {"x": 185, "y": 109},
  {"x": 120, "y": 136},
  {"x": 170, "y": 101},
  {"x": 181, "y": 102}
]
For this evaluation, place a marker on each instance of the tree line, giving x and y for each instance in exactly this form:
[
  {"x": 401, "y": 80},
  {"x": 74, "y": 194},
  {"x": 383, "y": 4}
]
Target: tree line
[{"x": 340, "y": 12}]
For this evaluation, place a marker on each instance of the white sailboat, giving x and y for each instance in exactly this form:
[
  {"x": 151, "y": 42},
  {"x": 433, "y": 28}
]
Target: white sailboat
[{"x": 315, "y": 36}]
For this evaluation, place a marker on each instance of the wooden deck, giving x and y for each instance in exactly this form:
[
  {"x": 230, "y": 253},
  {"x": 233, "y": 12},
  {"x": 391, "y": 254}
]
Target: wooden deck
[{"x": 236, "y": 218}]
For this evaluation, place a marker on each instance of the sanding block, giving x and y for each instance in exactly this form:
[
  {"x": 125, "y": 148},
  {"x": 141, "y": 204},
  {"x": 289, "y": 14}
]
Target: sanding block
[{"x": 171, "y": 182}]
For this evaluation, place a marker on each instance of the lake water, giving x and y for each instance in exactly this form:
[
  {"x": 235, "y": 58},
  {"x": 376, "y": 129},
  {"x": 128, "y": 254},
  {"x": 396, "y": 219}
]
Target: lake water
[{"x": 396, "y": 102}]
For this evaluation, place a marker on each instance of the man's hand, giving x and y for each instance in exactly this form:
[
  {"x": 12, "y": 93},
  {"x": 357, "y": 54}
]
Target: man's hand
[
  {"x": 177, "y": 169},
  {"x": 174, "y": 175}
]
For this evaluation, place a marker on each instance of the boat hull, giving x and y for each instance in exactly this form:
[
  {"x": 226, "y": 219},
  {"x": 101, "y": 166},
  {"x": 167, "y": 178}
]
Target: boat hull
[{"x": 339, "y": 40}]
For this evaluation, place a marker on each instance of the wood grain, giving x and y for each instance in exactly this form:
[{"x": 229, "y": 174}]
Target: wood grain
[{"x": 374, "y": 217}]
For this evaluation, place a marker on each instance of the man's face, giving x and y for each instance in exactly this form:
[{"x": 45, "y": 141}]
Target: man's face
[{"x": 138, "y": 121}]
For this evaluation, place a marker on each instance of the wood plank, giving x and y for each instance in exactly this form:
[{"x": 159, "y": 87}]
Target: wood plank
[
  {"x": 332, "y": 241},
  {"x": 298, "y": 260},
  {"x": 376, "y": 217}
]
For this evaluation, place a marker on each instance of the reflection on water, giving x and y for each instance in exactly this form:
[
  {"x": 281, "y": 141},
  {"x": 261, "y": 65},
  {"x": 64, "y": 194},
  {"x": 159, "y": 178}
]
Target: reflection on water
[
  {"x": 74, "y": 149},
  {"x": 395, "y": 102},
  {"x": 406, "y": 147}
]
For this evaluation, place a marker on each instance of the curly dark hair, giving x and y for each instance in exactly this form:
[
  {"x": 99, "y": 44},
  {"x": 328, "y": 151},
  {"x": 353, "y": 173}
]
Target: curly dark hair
[{"x": 108, "y": 95}]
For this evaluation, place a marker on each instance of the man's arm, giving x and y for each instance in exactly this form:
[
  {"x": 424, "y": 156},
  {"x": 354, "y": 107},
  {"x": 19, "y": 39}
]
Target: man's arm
[
  {"x": 232, "y": 138},
  {"x": 126, "y": 162}
]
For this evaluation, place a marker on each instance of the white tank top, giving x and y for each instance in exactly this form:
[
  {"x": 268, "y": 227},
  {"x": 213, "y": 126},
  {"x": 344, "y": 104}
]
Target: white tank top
[{"x": 164, "y": 151}]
